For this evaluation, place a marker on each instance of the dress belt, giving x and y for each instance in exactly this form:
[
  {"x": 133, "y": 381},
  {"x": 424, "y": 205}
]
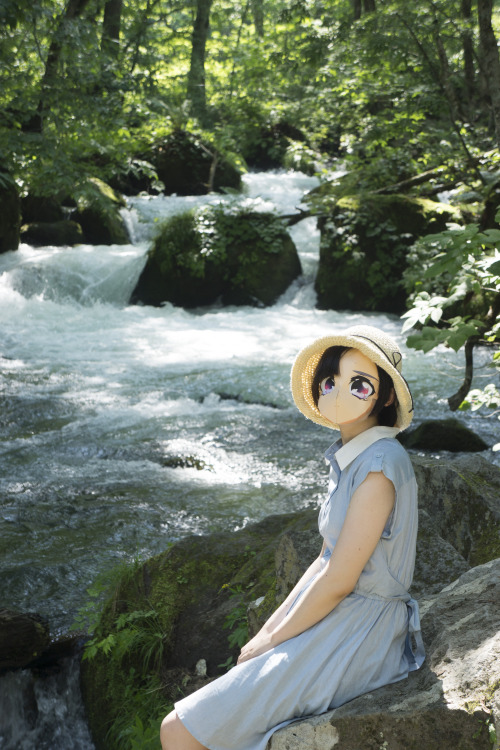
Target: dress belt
[
  {"x": 414, "y": 652},
  {"x": 414, "y": 645}
]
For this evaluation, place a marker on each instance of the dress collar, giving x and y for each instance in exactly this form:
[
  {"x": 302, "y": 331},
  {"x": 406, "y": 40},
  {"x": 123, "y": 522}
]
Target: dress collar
[{"x": 351, "y": 450}]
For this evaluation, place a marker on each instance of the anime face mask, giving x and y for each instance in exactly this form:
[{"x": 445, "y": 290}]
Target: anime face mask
[{"x": 352, "y": 394}]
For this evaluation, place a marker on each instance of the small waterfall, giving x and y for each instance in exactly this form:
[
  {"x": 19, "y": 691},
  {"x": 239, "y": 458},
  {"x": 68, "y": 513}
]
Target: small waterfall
[{"x": 43, "y": 710}]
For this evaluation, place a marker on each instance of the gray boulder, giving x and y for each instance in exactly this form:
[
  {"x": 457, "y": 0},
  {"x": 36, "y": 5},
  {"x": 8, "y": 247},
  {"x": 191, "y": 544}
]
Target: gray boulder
[
  {"x": 451, "y": 703},
  {"x": 443, "y": 435},
  {"x": 10, "y": 213},
  {"x": 43, "y": 233},
  {"x": 24, "y": 636},
  {"x": 462, "y": 496}
]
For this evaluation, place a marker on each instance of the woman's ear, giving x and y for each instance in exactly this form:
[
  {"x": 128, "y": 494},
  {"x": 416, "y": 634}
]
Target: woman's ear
[{"x": 391, "y": 398}]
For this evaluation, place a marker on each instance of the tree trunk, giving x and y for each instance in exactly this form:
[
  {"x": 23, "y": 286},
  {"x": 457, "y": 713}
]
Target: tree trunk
[
  {"x": 73, "y": 10},
  {"x": 369, "y": 6},
  {"x": 111, "y": 28},
  {"x": 468, "y": 51},
  {"x": 457, "y": 398},
  {"x": 356, "y": 6},
  {"x": 196, "y": 77},
  {"x": 490, "y": 62},
  {"x": 258, "y": 16},
  {"x": 445, "y": 76}
]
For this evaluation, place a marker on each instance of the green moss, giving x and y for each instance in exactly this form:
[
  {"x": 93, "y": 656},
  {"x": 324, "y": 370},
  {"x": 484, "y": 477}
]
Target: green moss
[
  {"x": 189, "y": 583},
  {"x": 487, "y": 546},
  {"x": 229, "y": 252},
  {"x": 365, "y": 240}
]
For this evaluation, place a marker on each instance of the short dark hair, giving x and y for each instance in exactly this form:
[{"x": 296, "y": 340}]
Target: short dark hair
[{"x": 329, "y": 365}]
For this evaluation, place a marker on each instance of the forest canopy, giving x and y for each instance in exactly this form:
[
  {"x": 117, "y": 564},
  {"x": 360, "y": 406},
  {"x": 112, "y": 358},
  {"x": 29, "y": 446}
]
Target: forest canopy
[
  {"x": 86, "y": 85},
  {"x": 406, "y": 96}
]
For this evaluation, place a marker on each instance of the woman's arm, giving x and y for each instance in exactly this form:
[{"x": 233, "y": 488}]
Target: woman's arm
[
  {"x": 280, "y": 612},
  {"x": 369, "y": 509}
]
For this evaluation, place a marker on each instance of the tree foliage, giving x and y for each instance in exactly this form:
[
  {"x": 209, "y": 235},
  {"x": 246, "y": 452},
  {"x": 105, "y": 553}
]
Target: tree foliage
[{"x": 394, "y": 89}]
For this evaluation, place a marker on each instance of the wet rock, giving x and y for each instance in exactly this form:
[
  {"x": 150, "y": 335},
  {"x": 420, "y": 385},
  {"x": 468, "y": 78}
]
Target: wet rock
[
  {"x": 239, "y": 256},
  {"x": 98, "y": 213},
  {"x": 449, "y": 704},
  {"x": 188, "y": 166},
  {"x": 192, "y": 588},
  {"x": 462, "y": 497},
  {"x": 138, "y": 176},
  {"x": 443, "y": 435},
  {"x": 57, "y": 233},
  {"x": 491, "y": 206},
  {"x": 364, "y": 245},
  {"x": 36, "y": 208},
  {"x": 437, "y": 563},
  {"x": 10, "y": 213},
  {"x": 266, "y": 147},
  {"x": 23, "y": 637}
]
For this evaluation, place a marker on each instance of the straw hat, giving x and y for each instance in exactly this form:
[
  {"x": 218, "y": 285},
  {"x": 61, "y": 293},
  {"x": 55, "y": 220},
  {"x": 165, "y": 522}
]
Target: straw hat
[{"x": 373, "y": 343}]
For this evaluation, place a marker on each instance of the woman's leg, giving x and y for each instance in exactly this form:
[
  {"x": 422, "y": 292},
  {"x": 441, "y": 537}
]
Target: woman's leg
[{"x": 175, "y": 736}]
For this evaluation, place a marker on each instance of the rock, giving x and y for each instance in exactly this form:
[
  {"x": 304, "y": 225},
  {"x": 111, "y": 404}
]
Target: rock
[
  {"x": 98, "y": 213},
  {"x": 438, "y": 563},
  {"x": 364, "y": 246},
  {"x": 35, "y": 208},
  {"x": 183, "y": 164},
  {"x": 56, "y": 233},
  {"x": 23, "y": 637},
  {"x": 443, "y": 435},
  {"x": 491, "y": 206},
  {"x": 266, "y": 147},
  {"x": 449, "y": 704},
  {"x": 462, "y": 497},
  {"x": 193, "y": 587},
  {"x": 241, "y": 256},
  {"x": 10, "y": 213},
  {"x": 137, "y": 176}
]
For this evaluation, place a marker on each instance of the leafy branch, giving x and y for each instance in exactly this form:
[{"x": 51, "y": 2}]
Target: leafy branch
[{"x": 466, "y": 314}]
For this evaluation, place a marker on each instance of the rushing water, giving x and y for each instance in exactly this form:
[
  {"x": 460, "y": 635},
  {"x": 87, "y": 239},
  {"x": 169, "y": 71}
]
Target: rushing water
[{"x": 126, "y": 427}]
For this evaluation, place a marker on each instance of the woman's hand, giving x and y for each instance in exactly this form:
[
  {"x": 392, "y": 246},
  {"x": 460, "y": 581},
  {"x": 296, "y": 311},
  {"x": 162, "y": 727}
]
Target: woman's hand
[{"x": 259, "y": 644}]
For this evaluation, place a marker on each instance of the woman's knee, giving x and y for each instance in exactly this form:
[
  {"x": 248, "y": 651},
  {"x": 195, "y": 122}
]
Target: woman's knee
[
  {"x": 167, "y": 731},
  {"x": 175, "y": 736}
]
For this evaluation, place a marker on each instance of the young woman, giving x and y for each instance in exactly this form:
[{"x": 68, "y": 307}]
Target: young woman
[{"x": 349, "y": 626}]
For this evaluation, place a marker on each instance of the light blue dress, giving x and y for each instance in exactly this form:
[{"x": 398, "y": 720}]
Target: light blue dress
[{"x": 372, "y": 638}]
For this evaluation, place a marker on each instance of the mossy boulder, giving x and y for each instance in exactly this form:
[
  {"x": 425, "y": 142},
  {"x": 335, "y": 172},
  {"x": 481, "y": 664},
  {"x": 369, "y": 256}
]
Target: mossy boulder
[
  {"x": 23, "y": 637},
  {"x": 10, "y": 213},
  {"x": 43, "y": 233},
  {"x": 240, "y": 256},
  {"x": 266, "y": 146},
  {"x": 191, "y": 588},
  {"x": 186, "y": 165},
  {"x": 443, "y": 435},
  {"x": 364, "y": 245},
  {"x": 41, "y": 208},
  {"x": 462, "y": 496},
  {"x": 491, "y": 207},
  {"x": 98, "y": 213}
]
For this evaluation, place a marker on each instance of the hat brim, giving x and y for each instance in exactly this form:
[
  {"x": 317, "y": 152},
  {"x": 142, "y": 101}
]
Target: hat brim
[{"x": 305, "y": 364}]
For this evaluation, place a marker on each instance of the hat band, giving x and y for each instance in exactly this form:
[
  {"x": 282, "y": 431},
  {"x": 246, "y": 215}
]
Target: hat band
[{"x": 394, "y": 363}]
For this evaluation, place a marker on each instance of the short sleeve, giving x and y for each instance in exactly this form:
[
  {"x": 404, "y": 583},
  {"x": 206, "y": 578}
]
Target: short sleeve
[{"x": 389, "y": 457}]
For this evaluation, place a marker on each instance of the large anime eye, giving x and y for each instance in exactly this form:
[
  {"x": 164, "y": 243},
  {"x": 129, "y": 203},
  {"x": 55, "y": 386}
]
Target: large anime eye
[
  {"x": 361, "y": 388},
  {"x": 326, "y": 386}
]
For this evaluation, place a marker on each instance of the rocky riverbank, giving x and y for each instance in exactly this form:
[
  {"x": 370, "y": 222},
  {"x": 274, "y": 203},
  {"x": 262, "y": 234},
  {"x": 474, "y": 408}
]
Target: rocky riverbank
[{"x": 190, "y": 591}]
